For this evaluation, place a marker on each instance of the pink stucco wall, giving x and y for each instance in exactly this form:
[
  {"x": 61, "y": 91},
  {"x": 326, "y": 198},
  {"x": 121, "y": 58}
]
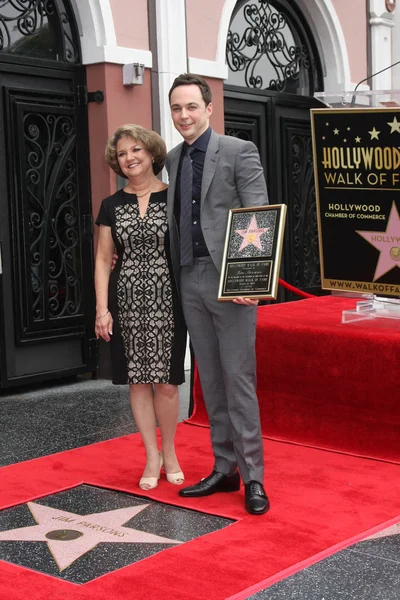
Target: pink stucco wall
[
  {"x": 130, "y": 22},
  {"x": 353, "y": 18},
  {"x": 217, "y": 117},
  {"x": 202, "y": 21},
  {"x": 121, "y": 105}
]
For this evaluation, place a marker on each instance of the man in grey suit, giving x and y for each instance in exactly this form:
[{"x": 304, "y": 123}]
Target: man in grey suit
[{"x": 225, "y": 173}]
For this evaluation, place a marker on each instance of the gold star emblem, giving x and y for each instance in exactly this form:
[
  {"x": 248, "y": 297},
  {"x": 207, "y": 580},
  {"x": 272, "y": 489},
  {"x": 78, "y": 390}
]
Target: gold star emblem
[
  {"x": 374, "y": 134},
  {"x": 395, "y": 125},
  {"x": 336, "y": 131},
  {"x": 357, "y": 139}
]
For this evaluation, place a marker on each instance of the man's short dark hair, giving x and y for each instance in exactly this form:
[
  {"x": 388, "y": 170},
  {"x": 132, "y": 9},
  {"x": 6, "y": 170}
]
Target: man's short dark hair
[{"x": 190, "y": 79}]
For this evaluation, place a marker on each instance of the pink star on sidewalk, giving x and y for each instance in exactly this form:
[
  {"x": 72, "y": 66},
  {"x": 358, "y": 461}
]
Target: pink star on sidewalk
[
  {"x": 89, "y": 530},
  {"x": 252, "y": 234},
  {"x": 393, "y": 530},
  {"x": 387, "y": 242}
]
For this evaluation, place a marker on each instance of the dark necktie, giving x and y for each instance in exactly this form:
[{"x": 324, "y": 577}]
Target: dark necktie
[{"x": 185, "y": 225}]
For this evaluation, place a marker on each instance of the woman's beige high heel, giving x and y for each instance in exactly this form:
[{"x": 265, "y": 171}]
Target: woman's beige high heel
[
  {"x": 175, "y": 478},
  {"x": 149, "y": 483}
]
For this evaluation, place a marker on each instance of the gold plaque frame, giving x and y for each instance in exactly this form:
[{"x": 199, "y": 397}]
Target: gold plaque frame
[{"x": 252, "y": 253}]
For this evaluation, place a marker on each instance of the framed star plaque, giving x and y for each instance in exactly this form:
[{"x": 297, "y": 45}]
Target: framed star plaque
[
  {"x": 357, "y": 176},
  {"x": 252, "y": 253}
]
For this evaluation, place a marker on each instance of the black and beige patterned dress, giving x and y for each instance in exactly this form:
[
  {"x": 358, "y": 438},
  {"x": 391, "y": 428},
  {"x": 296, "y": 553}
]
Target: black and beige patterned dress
[{"x": 149, "y": 336}]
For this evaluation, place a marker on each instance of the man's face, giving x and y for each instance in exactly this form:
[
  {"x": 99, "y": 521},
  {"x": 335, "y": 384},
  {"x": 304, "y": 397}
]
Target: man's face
[{"x": 189, "y": 112}]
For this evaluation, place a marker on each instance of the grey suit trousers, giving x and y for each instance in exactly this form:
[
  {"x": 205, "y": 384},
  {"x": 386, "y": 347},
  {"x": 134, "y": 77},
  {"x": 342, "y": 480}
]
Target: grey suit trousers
[{"x": 223, "y": 339}]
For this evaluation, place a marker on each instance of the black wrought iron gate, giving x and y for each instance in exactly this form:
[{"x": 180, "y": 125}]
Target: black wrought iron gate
[
  {"x": 46, "y": 262},
  {"x": 279, "y": 125},
  {"x": 274, "y": 72}
]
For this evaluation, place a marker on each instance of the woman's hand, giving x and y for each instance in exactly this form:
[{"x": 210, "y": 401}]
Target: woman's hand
[
  {"x": 104, "y": 326},
  {"x": 114, "y": 261}
]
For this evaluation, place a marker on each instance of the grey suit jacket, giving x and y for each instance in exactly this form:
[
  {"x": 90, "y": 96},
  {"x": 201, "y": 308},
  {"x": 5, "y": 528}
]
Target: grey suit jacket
[{"x": 232, "y": 178}]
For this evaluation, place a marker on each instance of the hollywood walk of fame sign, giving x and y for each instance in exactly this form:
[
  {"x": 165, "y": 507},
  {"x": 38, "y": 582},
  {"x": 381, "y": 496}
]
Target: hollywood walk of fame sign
[
  {"x": 252, "y": 253},
  {"x": 357, "y": 175},
  {"x": 69, "y": 536}
]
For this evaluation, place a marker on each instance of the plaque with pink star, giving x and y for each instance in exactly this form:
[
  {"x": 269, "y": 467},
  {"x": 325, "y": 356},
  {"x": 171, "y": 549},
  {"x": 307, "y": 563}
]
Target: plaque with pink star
[
  {"x": 252, "y": 254},
  {"x": 388, "y": 244},
  {"x": 253, "y": 235},
  {"x": 357, "y": 188}
]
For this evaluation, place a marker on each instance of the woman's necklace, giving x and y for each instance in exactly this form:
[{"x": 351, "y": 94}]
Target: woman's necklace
[{"x": 140, "y": 195}]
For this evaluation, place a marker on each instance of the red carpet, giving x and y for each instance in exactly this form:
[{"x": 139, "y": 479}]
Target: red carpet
[
  {"x": 327, "y": 384},
  {"x": 319, "y": 499},
  {"x": 320, "y": 384}
]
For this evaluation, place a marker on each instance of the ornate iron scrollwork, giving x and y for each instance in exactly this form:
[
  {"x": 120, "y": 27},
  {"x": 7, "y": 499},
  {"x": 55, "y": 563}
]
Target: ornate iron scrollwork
[
  {"x": 242, "y": 134},
  {"x": 70, "y": 49},
  {"x": 25, "y": 24},
  {"x": 53, "y": 213},
  {"x": 268, "y": 47},
  {"x": 306, "y": 266}
]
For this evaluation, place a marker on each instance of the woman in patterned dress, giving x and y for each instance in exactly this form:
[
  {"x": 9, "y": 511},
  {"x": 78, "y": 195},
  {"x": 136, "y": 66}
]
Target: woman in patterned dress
[{"x": 137, "y": 305}]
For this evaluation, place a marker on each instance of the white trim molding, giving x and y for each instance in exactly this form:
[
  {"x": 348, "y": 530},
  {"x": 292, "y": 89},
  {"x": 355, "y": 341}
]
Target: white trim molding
[
  {"x": 98, "y": 37},
  {"x": 217, "y": 69},
  {"x": 225, "y": 21},
  {"x": 172, "y": 60},
  {"x": 117, "y": 55},
  {"x": 328, "y": 34},
  {"x": 208, "y": 68},
  {"x": 381, "y": 23},
  {"x": 396, "y": 49}
]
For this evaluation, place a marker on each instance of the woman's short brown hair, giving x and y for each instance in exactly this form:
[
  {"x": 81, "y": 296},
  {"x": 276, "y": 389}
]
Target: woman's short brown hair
[{"x": 151, "y": 141}]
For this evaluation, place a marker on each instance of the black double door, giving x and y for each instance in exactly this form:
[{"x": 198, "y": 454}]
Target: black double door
[
  {"x": 279, "y": 125},
  {"x": 46, "y": 262}
]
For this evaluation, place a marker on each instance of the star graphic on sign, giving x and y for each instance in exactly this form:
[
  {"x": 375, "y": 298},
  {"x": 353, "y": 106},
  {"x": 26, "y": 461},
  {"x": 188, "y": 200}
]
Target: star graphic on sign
[
  {"x": 357, "y": 139},
  {"x": 395, "y": 125},
  {"x": 336, "y": 131},
  {"x": 69, "y": 535},
  {"x": 374, "y": 134},
  {"x": 387, "y": 242},
  {"x": 252, "y": 234}
]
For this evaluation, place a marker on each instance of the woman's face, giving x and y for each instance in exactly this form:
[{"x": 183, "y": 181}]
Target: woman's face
[{"x": 133, "y": 158}]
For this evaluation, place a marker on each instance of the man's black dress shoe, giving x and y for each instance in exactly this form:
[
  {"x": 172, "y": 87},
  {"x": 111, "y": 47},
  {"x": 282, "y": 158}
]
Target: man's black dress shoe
[
  {"x": 257, "y": 502},
  {"x": 216, "y": 482}
]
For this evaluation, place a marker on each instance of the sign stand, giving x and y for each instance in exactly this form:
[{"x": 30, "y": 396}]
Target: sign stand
[{"x": 388, "y": 308}]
